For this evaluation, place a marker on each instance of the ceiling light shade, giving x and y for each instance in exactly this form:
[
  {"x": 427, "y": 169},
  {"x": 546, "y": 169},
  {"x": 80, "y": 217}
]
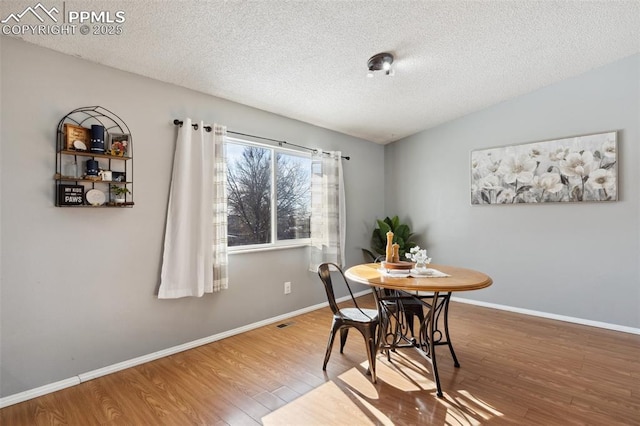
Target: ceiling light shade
[{"x": 380, "y": 62}]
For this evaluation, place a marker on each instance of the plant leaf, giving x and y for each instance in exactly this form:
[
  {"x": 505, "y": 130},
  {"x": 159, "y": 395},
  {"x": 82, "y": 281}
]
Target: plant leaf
[
  {"x": 378, "y": 245},
  {"x": 395, "y": 222},
  {"x": 403, "y": 231},
  {"x": 384, "y": 228},
  {"x": 388, "y": 221}
]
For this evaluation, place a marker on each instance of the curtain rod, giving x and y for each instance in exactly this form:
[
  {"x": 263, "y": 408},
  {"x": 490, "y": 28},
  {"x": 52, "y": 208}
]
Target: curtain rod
[{"x": 208, "y": 129}]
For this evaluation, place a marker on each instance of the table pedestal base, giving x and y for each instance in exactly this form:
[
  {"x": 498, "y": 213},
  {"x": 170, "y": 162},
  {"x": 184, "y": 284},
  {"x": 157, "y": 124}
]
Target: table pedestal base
[{"x": 395, "y": 332}]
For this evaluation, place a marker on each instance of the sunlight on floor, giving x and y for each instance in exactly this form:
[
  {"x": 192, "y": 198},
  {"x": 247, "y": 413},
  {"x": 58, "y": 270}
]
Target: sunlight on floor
[
  {"x": 404, "y": 374},
  {"x": 325, "y": 405},
  {"x": 352, "y": 399},
  {"x": 467, "y": 410}
]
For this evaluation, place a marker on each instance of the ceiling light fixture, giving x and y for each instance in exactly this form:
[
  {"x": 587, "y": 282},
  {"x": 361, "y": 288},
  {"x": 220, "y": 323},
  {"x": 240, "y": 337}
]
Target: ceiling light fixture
[{"x": 380, "y": 62}]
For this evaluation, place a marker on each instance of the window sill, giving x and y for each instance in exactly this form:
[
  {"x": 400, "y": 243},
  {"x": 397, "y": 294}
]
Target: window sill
[{"x": 254, "y": 249}]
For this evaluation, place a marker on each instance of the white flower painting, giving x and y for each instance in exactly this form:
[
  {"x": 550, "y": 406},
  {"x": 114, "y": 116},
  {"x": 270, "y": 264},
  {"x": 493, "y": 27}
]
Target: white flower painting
[{"x": 581, "y": 168}]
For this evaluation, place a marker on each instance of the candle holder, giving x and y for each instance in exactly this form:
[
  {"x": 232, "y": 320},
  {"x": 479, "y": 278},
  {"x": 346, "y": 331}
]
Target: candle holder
[{"x": 97, "y": 138}]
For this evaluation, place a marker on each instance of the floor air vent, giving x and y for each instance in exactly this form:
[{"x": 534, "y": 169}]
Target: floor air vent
[{"x": 283, "y": 325}]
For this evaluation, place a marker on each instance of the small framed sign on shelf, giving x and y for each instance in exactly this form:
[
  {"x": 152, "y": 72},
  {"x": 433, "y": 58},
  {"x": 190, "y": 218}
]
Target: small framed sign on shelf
[
  {"x": 119, "y": 144},
  {"x": 70, "y": 195},
  {"x": 76, "y": 137},
  {"x": 118, "y": 176}
]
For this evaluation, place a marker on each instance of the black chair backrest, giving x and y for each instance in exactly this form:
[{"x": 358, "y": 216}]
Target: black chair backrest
[{"x": 324, "y": 272}]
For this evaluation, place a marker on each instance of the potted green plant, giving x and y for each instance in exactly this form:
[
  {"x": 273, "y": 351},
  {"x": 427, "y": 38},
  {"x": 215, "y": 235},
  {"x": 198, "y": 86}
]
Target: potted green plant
[
  {"x": 401, "y": 235},
  {"x": 119, "y": 193}
]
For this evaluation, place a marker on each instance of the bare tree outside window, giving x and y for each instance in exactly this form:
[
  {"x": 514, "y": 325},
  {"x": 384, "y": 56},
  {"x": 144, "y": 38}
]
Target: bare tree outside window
[
  {"x": 293, "y": 195},
  {"x": 249, "y": 183},
  {"x": 248, "y": 195}
]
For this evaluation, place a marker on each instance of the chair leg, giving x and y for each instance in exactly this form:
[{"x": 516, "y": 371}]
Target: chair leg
[
  {"x": 382, "y": 329},
  {"x": 332, "y": 335},
  {"x": 409, "y": 317},
  {"x": 372, "y": 349},
  {"x": 343, "y": 337},
  {"x": 411, "y": 311},
  {"x": 420, "y": 314}
]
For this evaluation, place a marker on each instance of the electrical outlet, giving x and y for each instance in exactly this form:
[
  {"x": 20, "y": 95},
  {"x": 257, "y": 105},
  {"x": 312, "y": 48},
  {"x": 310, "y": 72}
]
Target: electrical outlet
[{"x": 287, "y": 287}]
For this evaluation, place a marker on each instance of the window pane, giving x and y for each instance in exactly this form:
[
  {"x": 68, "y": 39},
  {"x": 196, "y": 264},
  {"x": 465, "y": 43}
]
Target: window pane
[
  {"x": 293, "y": 195},
  {"x": 248, "y": 194}
]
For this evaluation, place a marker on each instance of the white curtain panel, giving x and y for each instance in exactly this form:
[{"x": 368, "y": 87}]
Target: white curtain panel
[
  {"x": 195, "y": 244},
  {"x": 328, "y": 209},
  {"x": 220, "y": 258}
]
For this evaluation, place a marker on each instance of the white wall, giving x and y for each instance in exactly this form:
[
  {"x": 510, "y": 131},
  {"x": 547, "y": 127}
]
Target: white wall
[
  {"x": 77, "y": 285},
  {"x": 578, "y": 260}
]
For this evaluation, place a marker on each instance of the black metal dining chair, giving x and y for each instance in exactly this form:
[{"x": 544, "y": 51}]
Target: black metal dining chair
[
  {"x": 366, "y": 321},
  {"x": 411, "y": 308}
]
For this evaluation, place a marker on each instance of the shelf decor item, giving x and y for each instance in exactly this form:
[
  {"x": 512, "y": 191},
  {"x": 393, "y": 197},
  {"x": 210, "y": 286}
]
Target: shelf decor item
[
  {"x": 97, "y": 138},
  {"x": 106, "y": 175},
  {"x": 574, "y": 169},
  {"x": 72, "y": 168},
  {"x": 92, "y": 168},
  {"x": 118, "y": 144},
  {"x": 118, "y": 176},
  {"x": 70, "y": 195},
  {"x": 76, "y": 137},
  {"x": 119, "y": 194},
  {"x": 95, "y": 197}
]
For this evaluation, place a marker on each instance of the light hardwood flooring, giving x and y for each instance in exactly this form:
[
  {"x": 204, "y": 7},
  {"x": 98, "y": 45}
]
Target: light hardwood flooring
[{"x": 515, "y": 369}]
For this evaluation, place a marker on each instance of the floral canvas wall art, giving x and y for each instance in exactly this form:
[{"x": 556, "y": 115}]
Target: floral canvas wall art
[{"x": 580, "y": 168}]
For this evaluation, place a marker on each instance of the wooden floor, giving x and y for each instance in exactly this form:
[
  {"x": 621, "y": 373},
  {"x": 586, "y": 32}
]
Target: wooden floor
[{"x": 515, "y": 369}]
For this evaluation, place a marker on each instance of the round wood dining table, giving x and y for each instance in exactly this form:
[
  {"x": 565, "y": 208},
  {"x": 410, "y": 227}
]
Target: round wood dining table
[{"x": 393, "y": 293}]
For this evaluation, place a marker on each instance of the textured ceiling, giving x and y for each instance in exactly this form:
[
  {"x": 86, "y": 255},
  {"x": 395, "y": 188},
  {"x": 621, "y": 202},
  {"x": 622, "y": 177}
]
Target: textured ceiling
[{"x": 307, "y": 59}]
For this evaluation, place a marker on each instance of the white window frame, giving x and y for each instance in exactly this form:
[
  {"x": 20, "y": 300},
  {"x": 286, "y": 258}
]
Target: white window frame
[{"x": 275, "y": 244}]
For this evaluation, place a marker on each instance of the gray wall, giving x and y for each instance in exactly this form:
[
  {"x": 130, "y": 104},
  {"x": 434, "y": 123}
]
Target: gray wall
[
  {"x": 577, "y": 260},
  {"x": 77, "y": 285}
]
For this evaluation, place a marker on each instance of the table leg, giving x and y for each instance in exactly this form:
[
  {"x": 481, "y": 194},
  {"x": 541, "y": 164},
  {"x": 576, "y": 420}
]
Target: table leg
[
  {"x": 432, "y": 343},
  {"x": 446, "y": 330}
]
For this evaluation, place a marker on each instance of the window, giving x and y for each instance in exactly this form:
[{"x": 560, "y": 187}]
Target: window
[{"x": 268, "y": 195}]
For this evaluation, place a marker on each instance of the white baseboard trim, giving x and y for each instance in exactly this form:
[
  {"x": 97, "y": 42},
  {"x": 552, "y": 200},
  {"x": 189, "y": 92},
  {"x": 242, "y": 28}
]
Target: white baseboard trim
[
  {"x": 36, "y": 392},
  {"x": 564, "y": 318},
  {"x": 83, "y": 377}
]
